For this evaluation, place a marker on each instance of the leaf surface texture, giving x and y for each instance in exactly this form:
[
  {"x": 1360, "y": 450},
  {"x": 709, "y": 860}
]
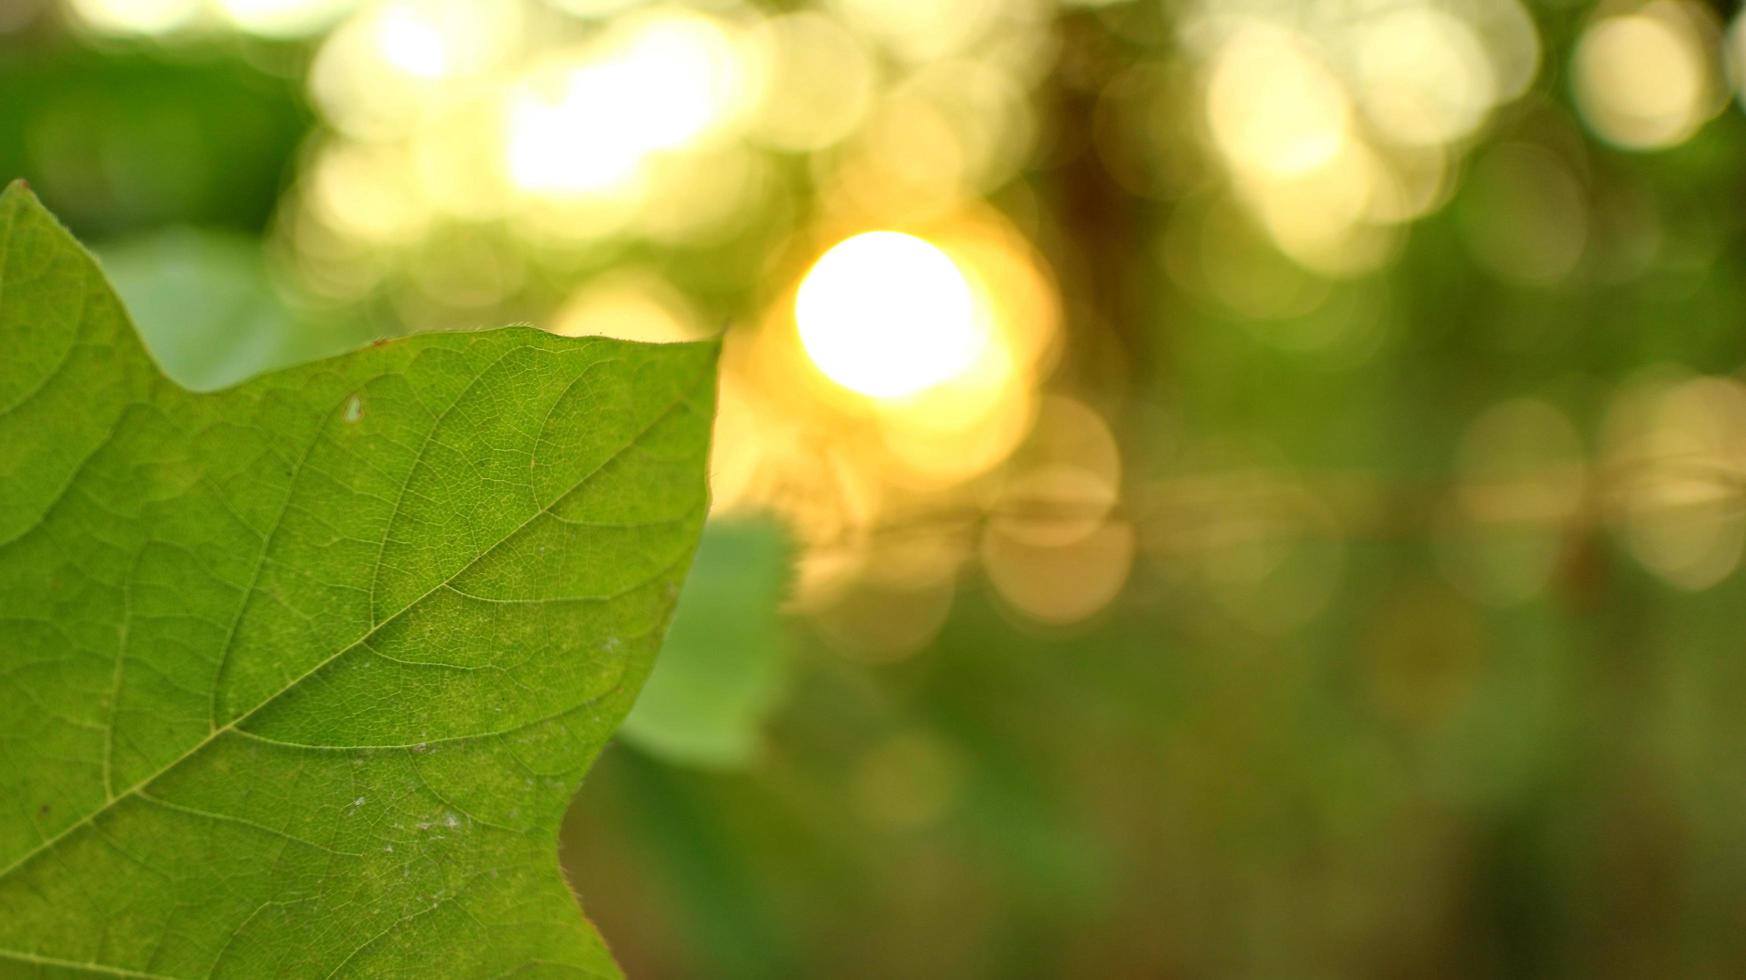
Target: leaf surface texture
[{"x": 297, "y": 678}]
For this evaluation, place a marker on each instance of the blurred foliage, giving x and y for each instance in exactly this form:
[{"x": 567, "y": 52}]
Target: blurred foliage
[
  {"x": 1319, "y": 559},
  {"x": 722, "y": 665},
  {"x": 125, "y": 139},
  {"x": 210, "y": 310}
]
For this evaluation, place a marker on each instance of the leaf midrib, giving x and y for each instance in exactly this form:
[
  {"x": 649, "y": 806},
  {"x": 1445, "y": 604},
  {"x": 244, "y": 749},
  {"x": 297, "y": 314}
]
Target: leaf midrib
[{"x": 36, "y": 959}]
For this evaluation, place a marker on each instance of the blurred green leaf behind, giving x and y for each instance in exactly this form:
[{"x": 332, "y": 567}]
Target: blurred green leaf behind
[
  {"x": 721, "y": 668},
  {"x": 240, "y": 324}
]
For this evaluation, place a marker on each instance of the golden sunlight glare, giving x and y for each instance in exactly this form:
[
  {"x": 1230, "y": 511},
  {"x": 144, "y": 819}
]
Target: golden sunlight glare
[
  {"x": 889, "y": 315},
  {"x": 413, "y": 43},
  {"x": 1274, "y": 108},
  {"x": 587, "y": 126},
  {"x": 283, "y": 18},
  {"x": 136, "y": 16}
]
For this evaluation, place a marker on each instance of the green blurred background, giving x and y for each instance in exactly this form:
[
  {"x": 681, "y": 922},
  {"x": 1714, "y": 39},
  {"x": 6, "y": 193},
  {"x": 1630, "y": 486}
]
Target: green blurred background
[{"x": 1209, "y": 488}]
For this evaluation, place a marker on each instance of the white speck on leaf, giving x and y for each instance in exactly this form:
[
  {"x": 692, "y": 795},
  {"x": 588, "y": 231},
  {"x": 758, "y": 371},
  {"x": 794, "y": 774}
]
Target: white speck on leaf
[{"x": 354, "y": 409}]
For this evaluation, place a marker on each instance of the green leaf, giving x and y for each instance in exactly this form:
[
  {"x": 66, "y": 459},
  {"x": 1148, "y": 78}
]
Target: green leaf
[
  {"x": 297, "y": 678},
  {"x": 721, "y": 670}
]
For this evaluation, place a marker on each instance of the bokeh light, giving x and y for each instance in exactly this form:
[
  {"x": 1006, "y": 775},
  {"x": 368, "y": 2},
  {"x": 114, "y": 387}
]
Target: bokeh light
[
  {"x": 136, "y": 16},
  {"x": 380, "y": 73},
  {"x": 1059, "y": 584},
  {"x": 573, "y": 132},
  {"x": 1337, "y": 128},
  {"x": 632, "y": 304},
  {"x": 1676, "y": 445},
  {"x": 1424, "y": 75},
  {"x": 1055, "y": 549},
  {"x": 920, "y": 29},
  {"x": 283, "y": 18},
  {"x": 1647, "y": 79},
  {"x": 1522, "y": 486},
  {"x": 888, "y": 314},
  {"x": 1274, "y": 109},
  {"x": 819, "y": 81}
]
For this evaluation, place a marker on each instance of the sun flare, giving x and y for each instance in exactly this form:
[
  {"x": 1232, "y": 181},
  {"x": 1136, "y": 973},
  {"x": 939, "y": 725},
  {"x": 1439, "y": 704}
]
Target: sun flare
[{"x": 889, "y": 315}]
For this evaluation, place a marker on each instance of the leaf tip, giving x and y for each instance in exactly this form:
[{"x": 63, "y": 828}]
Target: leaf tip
[
  {"x": 18, "y": 198},
  {"x": 17, "y": 188}
]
